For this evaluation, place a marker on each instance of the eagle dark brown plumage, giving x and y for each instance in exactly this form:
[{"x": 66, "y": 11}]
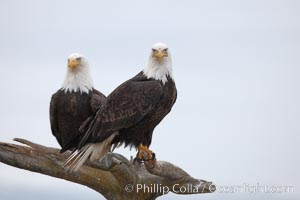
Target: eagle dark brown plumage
[
  {"x": 134, "y": 109},
  {"x": 69, "y": 111}
]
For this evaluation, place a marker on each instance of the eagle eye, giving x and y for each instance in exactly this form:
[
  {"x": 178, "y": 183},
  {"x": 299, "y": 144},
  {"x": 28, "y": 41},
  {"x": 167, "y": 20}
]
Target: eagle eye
[
  {"x": 166, "y": 49},
  {"x": 78, "y": 59},
  {"x": 154, "y": 50}
]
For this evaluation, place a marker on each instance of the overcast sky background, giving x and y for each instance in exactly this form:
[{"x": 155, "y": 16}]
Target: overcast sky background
[{"x": 236, "y": 66}]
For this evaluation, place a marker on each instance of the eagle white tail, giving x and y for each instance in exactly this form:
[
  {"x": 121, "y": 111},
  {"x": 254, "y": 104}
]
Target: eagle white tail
[{"x": 94, "y": 151}]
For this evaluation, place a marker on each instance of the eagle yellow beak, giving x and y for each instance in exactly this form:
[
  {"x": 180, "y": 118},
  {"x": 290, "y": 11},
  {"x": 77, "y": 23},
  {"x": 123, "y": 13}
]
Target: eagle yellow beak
[
  {"x": 72, "y": 64},
  {"x": 160, "y": 54}
]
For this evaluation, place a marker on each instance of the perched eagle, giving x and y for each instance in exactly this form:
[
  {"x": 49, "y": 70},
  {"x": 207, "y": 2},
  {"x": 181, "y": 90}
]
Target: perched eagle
[
  {"x": 131, "y": 112},
  {"x": 74, "y": 105}
]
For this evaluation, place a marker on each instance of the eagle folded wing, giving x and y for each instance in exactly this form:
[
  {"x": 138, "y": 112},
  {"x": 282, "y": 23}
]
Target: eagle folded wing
[
  {"x": 124, "y": 107},
  {"x": 53, "y": 118},
  {"x": 97, "y": 100}
]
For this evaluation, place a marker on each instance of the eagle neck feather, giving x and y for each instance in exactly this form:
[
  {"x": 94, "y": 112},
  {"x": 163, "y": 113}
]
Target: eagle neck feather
[
  {"x": 159, "y": 70},
  {"x": 78, "y": 80}
]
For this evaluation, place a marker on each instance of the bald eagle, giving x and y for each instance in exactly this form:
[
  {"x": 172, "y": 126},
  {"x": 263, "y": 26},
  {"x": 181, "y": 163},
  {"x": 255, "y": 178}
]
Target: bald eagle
[
  {"x": 131, "y": 112},
  {"x": 73, "y": 106}
]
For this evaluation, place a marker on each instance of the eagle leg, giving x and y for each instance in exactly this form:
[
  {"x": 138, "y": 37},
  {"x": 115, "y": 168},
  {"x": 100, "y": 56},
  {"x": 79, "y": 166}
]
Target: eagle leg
[{"x": 144, "y": 154}]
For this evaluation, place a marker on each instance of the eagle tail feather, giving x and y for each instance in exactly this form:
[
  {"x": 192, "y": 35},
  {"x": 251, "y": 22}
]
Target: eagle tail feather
[
  {"x": 94, "y": 151},
  {"x": 73, "y": 162}
]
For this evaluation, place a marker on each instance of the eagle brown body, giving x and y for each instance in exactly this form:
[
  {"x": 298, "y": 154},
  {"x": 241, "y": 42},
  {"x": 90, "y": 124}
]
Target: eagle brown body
[
  {"x": 69, "y": 111},
  {"x": 133, "y": 109}
]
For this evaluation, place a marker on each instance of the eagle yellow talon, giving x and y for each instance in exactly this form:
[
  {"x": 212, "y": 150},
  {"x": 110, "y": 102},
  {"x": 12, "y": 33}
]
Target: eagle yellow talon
[{"x": 144, "y": 153}]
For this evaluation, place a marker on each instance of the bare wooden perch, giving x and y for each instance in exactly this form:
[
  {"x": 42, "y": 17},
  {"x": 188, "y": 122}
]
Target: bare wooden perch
[{"x": 114, "y": 177}]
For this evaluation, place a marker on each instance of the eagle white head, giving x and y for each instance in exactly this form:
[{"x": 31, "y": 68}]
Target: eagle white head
[
  {"x": 160, "y": 63},
  {"x": 78, "y": 78}
]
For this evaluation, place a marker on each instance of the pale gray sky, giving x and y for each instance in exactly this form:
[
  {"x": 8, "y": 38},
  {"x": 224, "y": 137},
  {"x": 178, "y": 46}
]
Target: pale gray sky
[{"x": 236, "y": 66}]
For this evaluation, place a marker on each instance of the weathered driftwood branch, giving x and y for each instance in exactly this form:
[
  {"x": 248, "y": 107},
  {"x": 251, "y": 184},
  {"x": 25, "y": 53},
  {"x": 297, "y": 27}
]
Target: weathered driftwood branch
[{"x": 114, "y": 177}]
